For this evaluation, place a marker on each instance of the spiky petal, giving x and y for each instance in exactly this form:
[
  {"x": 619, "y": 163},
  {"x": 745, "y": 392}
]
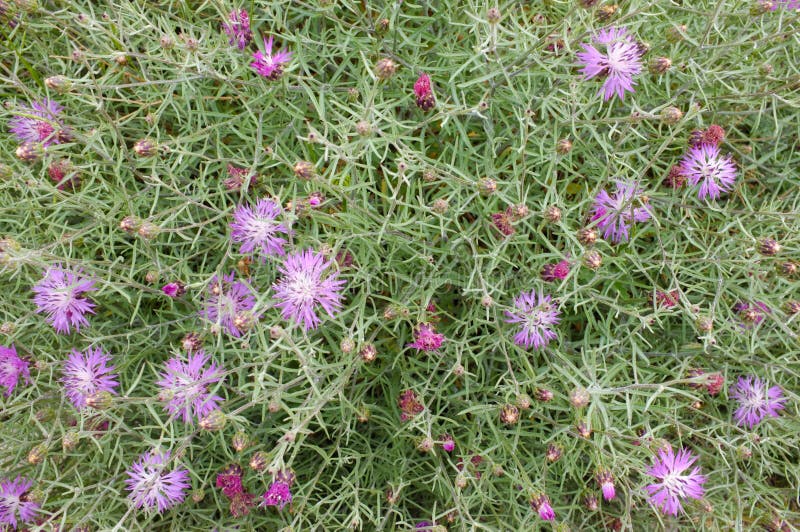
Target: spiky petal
[
  {"x": 87, "y": 373},
  {"x": 184, "y": 386},
  {"x": 426, "y": 338},
  {"x": 537, "y": 314},
  {"x": 619, "y": 61},
  {"x": 672, "y": 484},
  {"x": 278, "y": 494},
  {"x": 703, "y": 165},
  {"x": 40, "y": 124},
  {"x": 12, "y": 367},
  {"x": 60, "y": 296},
  {"x": 228, "y": 302},
  {"x": 756, "y": 401},
  {"x": 268, "y": 64},
  {"x": 615, "y": 214},
  {"x": 237, "y": 28},
  {"x": 14, "y": 505},
  {"x": 153, "y": 485},
  {"x": 259, "y": 227}
]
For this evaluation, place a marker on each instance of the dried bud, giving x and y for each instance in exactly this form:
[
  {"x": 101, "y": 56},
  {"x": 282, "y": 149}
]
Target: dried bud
[
  {"x": 145, "y": 148},
  {"x": 671, "y": 115},
  {"x": 487, "y": 186},
  {"x": 493, "y": 15},
  {"x": 675, "y": 33},
  {"x": 214, "y": 421},
  {"x": 37, "y": 454},
  {"x": 130, "y": 224},
  {"x": 769, "y": 247},
  {"x": 303, "y": 170},
  {"x": 543, "y": 395},
  {"x": 148, "y": 230},
  {"x": 553, "y": 453},
  {"x": 552, "y": 214},
  {"x": 240, "y": 441},
  {"x": 659, "y": 65},
  {"x": 592, "y": 259},
  {"x": 517, "y": 212},
  {"x": 509, "y": 414},
  {"x": 579, "y": 397},
  {"x": 191, "y": 342},
  {"x": 385, "y": 68},
  {"x": 59, "y": 84},
  {"x": 564, "y": 146},
  {"x": 347, "y": 345},
  {"x": 368, "y": 353},
  {"x": 590, "y": 502},
  {"x": 29, "y": 152},
  {"x": 100, "y": 400},
  {"x": 792, "y": 307},
  {"x": 166, "y": 42},
  {"x": 606, "y": 12},
  {"x": 502, "y": 222},
  {"x": 440, "y": 206},
  {"x": 70, "y": 440}
]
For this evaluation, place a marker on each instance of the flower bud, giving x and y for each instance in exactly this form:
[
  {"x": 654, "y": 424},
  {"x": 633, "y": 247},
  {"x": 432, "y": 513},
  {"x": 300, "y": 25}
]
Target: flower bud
[
  {"x": 487, "y": 186},
  {"x": 675, "y": 33},
  {"x": 363, "y": 128},
  {"x": 70, "y": 440},
  {"x": 29, "y": 152},
  {"x": 368, "y": 353},
  {"x": 592, "y": 259},
  {"x": 583, "y": 429},
  {"x": 174, "y": 289},
  {"x": 385, "y": 68},
  {"x": 303, "y": 170},
  {"x": 606, "y": 12},
  {"x": 100, "y": 400},
  {"x": 448, "y": 443},
  {"x": 579, "y": 397},
  {"x": 166, "y": 42},
  {"x": 587, "y": 236},
  {"x": 553, "y": 453},
  {"x": 37, "y": 454},
  {"x": 659, "y": 65},
  {"x": 461, "y": 481},
  {"x": 487, "y": 301},
  {"x": 789, "y": 268},
  {"x": 440, "y": 206},
  {"x": 198, "y": 495},
  {"x": 509, "y": 414},
  {"x": 240, "y": 441},
  {"x": 671, "y": 115},
  {"x": 382, "y": 26},
  {"x": 145, "y": 148},
  {"x": 769, "y": 247},
  {"x": 543, "y": 395},
  {"x": 425, "y": 445},
  {"x": 704, "y": 324},
  {"x": 214, "y": 421},
  {"x": 151, "y": 277},
  {"x": 552, "y": 214},
  {"x": 792, "y": 307},
  {"x": 59, "y": 84},
  {"x": 259, "y": 461},
  {"x": 347, "y": 345},
  {"x": 523, "y": 401},
  {"x": 564, "y": 146},
  {"x": 130, "y": 224},
  {"x": 148, "y": 230},
  {"x": 493, "y": 15},
  {"x": 590, "y": 503}
]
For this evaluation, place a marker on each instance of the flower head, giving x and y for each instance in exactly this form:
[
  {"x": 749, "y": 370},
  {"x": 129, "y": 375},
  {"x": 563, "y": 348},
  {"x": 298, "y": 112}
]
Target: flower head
[
  {"x": 174, "y": 289},
  {"x": 14, "y": 503},
  {"x": 426, "y": 338},
  {"x": 184, "y": 386},
  {"x": 230, "y": 480},
  {"x": 541, "y": 503},
  {"x": 555, "y": 272},
  {"x": 268, "y": 65},
  {"x": 619, "y": 62},
  {"x": 12, "y": 367},
  {"x": 537, "y": 314},
  {"x": 40, "y": 124},
  {"x": 86, "y": 374},
  {"x": 704, "y": 165},
  {"x": 59, "y": 295},
  {"x": 237, "y": 28},
  {"x": 237, "y": 177},
  {"x": 672, "y": 485},
  {"x": 229, "y": 303},
  {"x": 259, "y": 228},
  {"x": 409, "y": 405},
  {"x": 422, "y": 90},
  {"x": 756, "y": 401},
  {"x": 303, "y": 287},
  {"x": 615, "y": 214},
  {"x": 153, "y": 485},
  {"x": 606, "y": 480},
  {"x": 278, "y": 494}
]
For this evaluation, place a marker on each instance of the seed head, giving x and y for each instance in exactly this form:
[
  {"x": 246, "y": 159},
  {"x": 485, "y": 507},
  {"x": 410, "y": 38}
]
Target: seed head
[
  {"x": 509, "y": 414},
  {"x": 659, "y": 65},
  {"x": 385, "y": 68}
]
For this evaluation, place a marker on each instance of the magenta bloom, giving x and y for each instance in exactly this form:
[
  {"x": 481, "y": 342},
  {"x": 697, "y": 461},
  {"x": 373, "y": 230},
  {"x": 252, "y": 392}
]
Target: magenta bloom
[
  {"x": 537, "y": 314},
  {"x": 153, "y": 485},
  {"x": 229, "y": 303},
  {"x": 268, "y": 65},
  {"x": 237, "y": 28},
  {"x": 302, "y": 288},
  {"x": 14, "y": 505},
  {"x": 426, "y": 338},
  {"x": 704, "y": 165},
  {"x": 619, "y": 62},
  {"x": 672, "y": 485},
  {"x": 230, "y": 480},
  {"x": 86, "y": 374},
  {"x": 541, "y": 503},
  {"x": 448, "y": 443},
  {"x": 615, "y": 214},
  {"x": 184, "y": 386},
  {"x": 40, "y": 123},
  {"x": 424, "y": 93},
  {"x": 259, "y": 227},
  {"x": 756, "y": 401},
  {"x": 606, "y": 481},
  {"x": 555, "y": 272},
  {"x": 173, "y": 289},
  {"x": 59, "y": 295},
  {"x": 278, "y": 494},
  {"x": 12, "y": 367}
]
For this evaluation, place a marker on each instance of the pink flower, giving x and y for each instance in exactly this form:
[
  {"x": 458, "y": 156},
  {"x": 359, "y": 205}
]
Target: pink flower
[
  {"x": 278, "y": 494},
  {"x": 268, "y": 65},
  {"x": 616, "y": 214},
  {"x": 60, "y": 295},
  {"x": 14, "y": 503},
  {"x": 703, "y": 165},
  {"x": 672, "y": 485},
  {"x": 259, "y": 228},
  {"x": 12, "y": 367},
  {"x": 238, "y": 28},
  {"x": 619, "y": 62},
  {"x": 422, "y": 90},
  {"x": 756, "y": 401},
  {"x": 448, "y": 443},
  {"x": 40, "y": 124},
  {"x": 555, "y": 272},
  {"x": 153, "y": 485},
  {"x": 606, "y": 481},
  {"x": 174, "y": 289},
  {"x": 537, "y": 314},
  {"x": 184, "y": 386},
  {"x": 426, "y": 338},
  {"x": 409, "y": 405},
  {"x": 541, "y": 504},
  {"x": 87, "y": 373},
  {"x": 229, "y": 303}
]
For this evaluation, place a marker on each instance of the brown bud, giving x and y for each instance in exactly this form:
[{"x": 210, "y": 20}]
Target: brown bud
[
  {"x": 259, "y": 461},
  {"x": 606, "y": 12},
  {"x": 579, "y": 397},
  {"x": 130, "y": 224},
  {"x": 347, "y": 345},
  {"x": 789, "y": 268},
  {"x": 552, "y": 214},
  {"x": 583, "y": 429},
  {"x": 145, "y": 148},
  {"x": 29, "y": 151},
  {"x": 671, "y": 115},
  {"x": 659, "y": 65},
  {"x": 523, "y": 401},
  {"x": 543, "y": 395},
  {"x": 509, "y": 414},
  {"x": 303, "y": 170},
  {"x": 564, "y": 146},
  {"x": 587, "y": 236},
  {"x": 593, "y": 259},
  {"x": 487, "y": 186},
  {"x": 553, "y": 453},
  {"x": 792, "y": 307},
  {"x": 769, "y": 247},
  {"x": 214, "y": 421},
  {"x": 368, "y": 353},
  {"x": 37, "y": 454},
  {"x": 385, "y": 68},
  {"x": 240, "y": 441}
]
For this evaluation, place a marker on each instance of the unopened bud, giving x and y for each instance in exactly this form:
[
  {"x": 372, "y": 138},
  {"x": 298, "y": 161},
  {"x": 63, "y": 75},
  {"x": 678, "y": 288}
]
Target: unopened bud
[
  {"x": 675, "y": 33},
  {"x": 37, "y": 454},
  {"x": 587, "y": 236},
  {"x": 425, "y": 445},
  {"x": 553, "y": 453},
  {"x": 543, "y": 395},
  {"x": 440, "y": 206},
  {"x": 368, "y": 353},
  {"x": 789, "y": 268},
  {"x": 564, "y": 146},
  {"x": 59, "y": 84},
  {"x": 303, "y": 170},
  {"x": 198, "y": 495},
  {"x": 606, "y": 12},
  {"x": 671, "y": 115},
  {"x": 493, "y": 15},
  {"x": 704, "y": 324},
  {"x": 240, "y": 441},
  {"x": 130, "y": 224},
  {"x": 347, "y": 345},
  {"x": 100, "y": 400},
  {"x": 145, "y": 148},
  {"x": 552, "y": 214},
  {"x": 769, "y": 247},
  {"x": 487, "y": 186},
  {"x": 579, "y": 397},
  {"x": 509, "y": 414},
  {"x": 523, "y": 401},
  {"x": 214, "y": 421},
  {"x": 363, "y": 128},
  {"x": 593, "y": 259},
  {"x": 659, "y": 65},
  {"x": 385, "y": 68},
  {"x": 29, "y": 151},
  {"x": 70, "y": 440},
  {"x": 583, "y": 429},
  {"x": 148, "y": 230}
]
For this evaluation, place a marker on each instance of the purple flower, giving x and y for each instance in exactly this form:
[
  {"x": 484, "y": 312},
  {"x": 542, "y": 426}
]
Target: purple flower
[
  {"x": 173, "y": 289},
  {"x": 40, "y": 124},
  {"x": 184, "y": 386},
  {"x": 672, "y": 486},
  {"x": 788, "y": 4},
  {"x": 756, "y": 401},
  {"x": 153, "y": 485},
  {"x": 302, "y": 288},
  {"x": 229, "y": 303},
  {"x": 606, "y": 480},
  {"x": 619, "y": 63},
  {"x": 703, "y": 165},
  {"x": 751, "y": 314},
  {"x": 537, "y": 314},
  {"x": 14, "y": 503},
  {"x": 268, "y": 65},
  {"x": 58, "y": 295},
  {"x": 426, "y": 338},
  {"x": 424, "y": 93},
  {"x": 541, "y": 503},
  {"x": 615, "y": 214},
  {"x": 448, "y": 443},
  {"x": 86, "y": 374},
  {"x": 278, "y": 494},
  {"x": 12, "y": 367},
  {"x": 259, "y": 227},
  {"x": 237, "y": 28}
]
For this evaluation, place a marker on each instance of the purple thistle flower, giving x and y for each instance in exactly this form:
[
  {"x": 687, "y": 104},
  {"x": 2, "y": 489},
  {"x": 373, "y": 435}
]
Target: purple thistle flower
[
  {"x": 537, "y": 313},
  {"x": 278, "y": 494},
  {"x": 40, "y": 124},
  {"x": 541, "y": 503},
  {"x": 237, "y": 28},
  {"x": 619, "y": 63},
  {"x": 703, "y": 165},
  {"x": 756, "y": 401},
  {"x": 184, "y": 386},
  {"x": 426, "y": 338},
  {"x": 615, "y": 214},
  {"x": 672, "y": 485},
  {"x": 58, "y": 295},
  {"x": 606, "y": 480},
  {"x": 268, "y": 65},
  {"x": 229, "y": 303},
  {"x": 86, "y": 374},
  {"x": 14, "y": 504},
  {"x": 174, "y": 289},
  {"x": 12, "y": 367},
  {"x": 153, "y": 485},
  {"x": 259, "y": 227},
  {"x": 302, "y": 288}
]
